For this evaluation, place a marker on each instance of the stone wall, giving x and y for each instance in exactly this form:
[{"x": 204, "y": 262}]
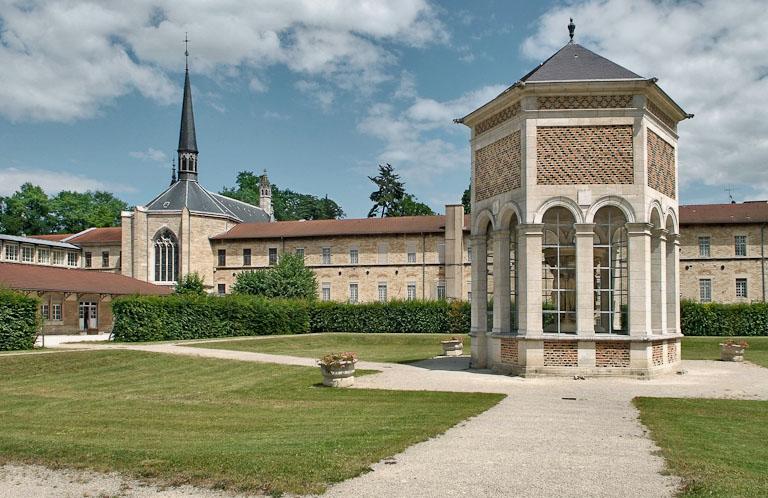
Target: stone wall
[
  {"x": 661, "y": 165},
  {"x": 561, "y": 354},
  {"x": 497, "y": 167},
  {"x": 582, "y": 155},
  {"x": 611, "y": 354},
  {"x": 96, "y": 250},
  {"x": 584, "y": 102}
]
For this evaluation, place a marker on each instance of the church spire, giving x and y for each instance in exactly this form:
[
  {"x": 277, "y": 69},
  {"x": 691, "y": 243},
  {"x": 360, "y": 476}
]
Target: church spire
[{"x": 187, "y": 139}]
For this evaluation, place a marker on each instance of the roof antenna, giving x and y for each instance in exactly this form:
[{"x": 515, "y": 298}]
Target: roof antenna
[
  {"x": 173, "y": 171},
  {"x": 186, "y": 50},
  {"x": 571, "y": 29},
  {"x": 730, "y": 191}
]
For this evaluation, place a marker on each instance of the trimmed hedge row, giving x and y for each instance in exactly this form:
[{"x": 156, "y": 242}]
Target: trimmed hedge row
[
  {"x": 393, "y": 316},
  {"x": 161, "y": 318},
  {"x": 176, "y": 317},
  {"x": 19, "y": 320},
  {"x": 716, "y": 319}
]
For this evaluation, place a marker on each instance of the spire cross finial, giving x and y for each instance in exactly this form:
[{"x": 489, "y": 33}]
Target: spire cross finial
[
  {"x": 186, "y": 51},
  {"x": 571, "y": 29}
]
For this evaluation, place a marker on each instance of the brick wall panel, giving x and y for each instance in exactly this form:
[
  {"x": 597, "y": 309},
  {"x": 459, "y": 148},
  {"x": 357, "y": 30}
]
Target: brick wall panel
[
  {"x": 561, "y": 354},
  {"x": 671, "y": 351},
  {"x": 584, "y": 102},
  {"x": 509, "y": 352},
  {"x": 608, "y": 354},
  {"x": 657, "y": 353},
  {"x": 498, "y": 167},
  {"x": 661, "y": 165},
  {"x": 503, "y": 115}
]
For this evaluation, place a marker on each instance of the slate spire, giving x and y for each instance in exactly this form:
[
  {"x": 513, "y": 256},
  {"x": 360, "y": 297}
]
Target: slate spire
[{"x": 187, "y": 140}]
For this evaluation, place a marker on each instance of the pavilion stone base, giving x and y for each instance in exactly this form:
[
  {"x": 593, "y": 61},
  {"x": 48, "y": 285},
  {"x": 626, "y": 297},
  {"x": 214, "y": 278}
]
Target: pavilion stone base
[{"x": 644, "y": 358}]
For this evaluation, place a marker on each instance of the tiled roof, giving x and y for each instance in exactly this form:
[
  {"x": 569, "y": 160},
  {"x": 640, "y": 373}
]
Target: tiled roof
[
  {"x": 576, "y": 63},
  {"x": 717, "y": 214},
  {"x": 105, "y": 235},
  {"x": 50, "y": 278},
  {"x": 37, "y": 240},
  {"x": 52, "y": 236},
  {"x": 329, "y": 228}
]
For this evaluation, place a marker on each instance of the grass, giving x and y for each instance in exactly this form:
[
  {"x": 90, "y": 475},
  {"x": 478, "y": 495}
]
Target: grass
[
  {"x": 717, "y": 446},
  {"x": 707, "y": 348},
  {"x": 217, "y": 423},
  {"x": 392, "y": 348}
]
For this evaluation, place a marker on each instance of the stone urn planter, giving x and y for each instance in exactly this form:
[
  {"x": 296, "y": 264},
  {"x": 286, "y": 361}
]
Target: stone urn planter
[
  {"x": 453, "y": 347},
  {"x": 338, "y": 369},
  {"x": 732, "y": 351}
]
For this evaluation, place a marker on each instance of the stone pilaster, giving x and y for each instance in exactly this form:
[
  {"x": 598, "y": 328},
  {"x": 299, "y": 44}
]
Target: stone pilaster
[
  {"x": 529, "y": 273},
  {"x": 585, "y": 281},
  {"x": 673, "y": 283},
  {"x": 479, "y": 301},
  {"x": 658, "y": 281},
  {"x": 501, "y": 283},
  {"x": 639, "y": 278}
]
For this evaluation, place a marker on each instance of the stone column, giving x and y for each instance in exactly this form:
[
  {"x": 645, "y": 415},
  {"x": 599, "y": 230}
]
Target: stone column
[
  {"x": 585, "y": 280},
  {"x": 479, "y": 301},
  {"x": 658, "y": 281},
  {"x": 529, "y": 275},
  {"x": 673, "y": 283},
  {"x": 501, "y": 284},
  {"x": 639, "y": 278}
]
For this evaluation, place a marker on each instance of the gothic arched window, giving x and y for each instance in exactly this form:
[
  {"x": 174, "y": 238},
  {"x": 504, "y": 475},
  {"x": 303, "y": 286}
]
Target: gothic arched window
[{"x": 166, "y": 257}]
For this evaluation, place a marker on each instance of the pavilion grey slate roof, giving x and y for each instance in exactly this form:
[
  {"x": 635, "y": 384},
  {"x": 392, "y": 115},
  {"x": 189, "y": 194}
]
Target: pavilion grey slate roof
[
  {"x": 576, "y": 63},
  {"x": 190, "y": 194},
  {"x": 187, "y": 138}
]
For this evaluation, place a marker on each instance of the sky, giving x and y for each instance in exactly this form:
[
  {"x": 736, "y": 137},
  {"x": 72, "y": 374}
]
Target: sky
[{"x": 320, "y": 92}]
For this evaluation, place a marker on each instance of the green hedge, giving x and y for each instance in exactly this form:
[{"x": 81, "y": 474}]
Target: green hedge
[
  {"x": 393, "y": 316},
  {"x": 716, "y": 319},
  {"x": 19, "y": 320},
  {"x": 161, "y": 318}
]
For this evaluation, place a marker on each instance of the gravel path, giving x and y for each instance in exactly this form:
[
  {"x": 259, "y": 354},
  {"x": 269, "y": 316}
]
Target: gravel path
[{"x": 549, "y": 437}]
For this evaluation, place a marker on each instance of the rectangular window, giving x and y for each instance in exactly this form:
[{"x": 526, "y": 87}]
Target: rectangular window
[
  {"x": 326, "y": 291},
  {"x": 740, "y": 245},
  {"x": 741, "y": 287},
  {"x": 246, "y": 257},
  {"x": 354, "y": 256},
  {"x": 704, "y": 247},
  {"x": 26, "y": 254},
  {"x": 71, "y": 259},
  {"x": 222, "y": 257},
  {"x": 411, "y": 256},
  {"x": 87, "y": 260},
  {"x": 441, "y": 252},
  {"x": 12, "y": 252},
  {"x": 272, "y": 256},
  {"x": 56, "y": 311},
  {"x": 43, "y": 255},
  {"x": 382, "y": 292},
  {"x": 326, "y": 255},
  {"x": 705, "y": 290},
  {"x": 105, "y": 259},
  {"x": 383, "y": 257},
  {"x": 58, "y": 258},
  {"x": 353, "y": 293},
  {"x": 441, "y": 290},
  {"x": 222, "y": 289},
  {"x": 411, "y": 291},
  {"x": 300, "y": 252},
  {"x": 45, "y": 311}
]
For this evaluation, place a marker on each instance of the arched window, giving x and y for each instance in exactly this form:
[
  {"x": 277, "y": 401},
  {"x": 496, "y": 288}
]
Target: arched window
[
  {"x": 489, "y": 276},
  {"x": 513, "y": 286},
  {"x": 166, "y": 257},
  {"x": 558, "y": 284},
  {"x": 611, "y": 272}
]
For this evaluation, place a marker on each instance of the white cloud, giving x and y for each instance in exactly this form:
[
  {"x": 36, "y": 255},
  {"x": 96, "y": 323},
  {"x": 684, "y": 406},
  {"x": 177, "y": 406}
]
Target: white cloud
[
  {"x": 150, "y": 155},
  {"x": 258, "y": 85},
  {"x": 322, "y": 96},
  {"x": 52, "y": 182},
  {"x": 709, "y": 55},
  {"x": 72, "y": 57}
]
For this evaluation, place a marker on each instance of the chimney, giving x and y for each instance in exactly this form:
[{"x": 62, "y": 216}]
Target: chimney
[{"x": 454, "y": 251}]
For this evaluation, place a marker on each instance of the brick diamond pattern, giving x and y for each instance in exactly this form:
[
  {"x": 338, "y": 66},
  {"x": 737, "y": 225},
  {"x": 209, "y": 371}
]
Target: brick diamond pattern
[
  {"x": 509, "y": 354},
  {"x": 584, "y": 102},
  {"x": 503, "y": 115},
  {"x": 612, "y": 354},
  {"x": 561, "y": 354},
  {"x": 661, "y": 165},
  {"x": 498, "y": 167},
  {"x": 660, "y": 115},
  {"x": 584, "y": 155}
]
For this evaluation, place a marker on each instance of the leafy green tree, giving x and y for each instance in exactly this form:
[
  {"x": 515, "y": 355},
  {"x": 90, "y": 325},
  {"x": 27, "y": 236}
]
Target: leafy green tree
[
  {"x": 390, "y": 193},
  {"x": 466, "y": 199},
  {"x": 410, "y": 206},
  {"x": 27, "y": 212},
  {"x": 76, "y": 211},
  {"x": 287, "y": 204},
  {"x": 288, "y": 279},
  {"x": 191, "y": 283}
]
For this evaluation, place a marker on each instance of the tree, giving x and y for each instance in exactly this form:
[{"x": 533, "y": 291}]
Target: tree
[
  {"x": 289, "y": 279},
  {"x": 466, "y": 199},
  {"x": 190, "y": 284},
  {"x": 27, "y": 212},
  {"x": 76, "y": 211},
  {"x": 410, "y": 206},
  {"x": 287, "y": 204},
  {"x": 390, "y": 193}
]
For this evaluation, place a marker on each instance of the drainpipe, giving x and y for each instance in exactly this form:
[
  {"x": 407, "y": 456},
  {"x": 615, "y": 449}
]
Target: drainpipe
[
  {"x": 423, "y": 266},
  {"x": 762, "y": 256}
]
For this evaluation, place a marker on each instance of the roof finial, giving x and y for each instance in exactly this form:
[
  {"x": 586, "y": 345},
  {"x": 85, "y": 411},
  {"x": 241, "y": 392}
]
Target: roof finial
[
  {"x": 186, "y": 50},
  {"x": 571, "y": 29},
  {"x": 173, "y": 171}
]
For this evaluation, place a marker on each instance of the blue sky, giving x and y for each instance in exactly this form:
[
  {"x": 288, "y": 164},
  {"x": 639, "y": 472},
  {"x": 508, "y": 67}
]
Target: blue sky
[{"x": 318, "y": 93}]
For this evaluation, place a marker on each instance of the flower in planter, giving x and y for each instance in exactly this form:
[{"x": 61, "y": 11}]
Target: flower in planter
[
  {"x": 338, "y": 359},
  {"x": 731, "y": 342}
]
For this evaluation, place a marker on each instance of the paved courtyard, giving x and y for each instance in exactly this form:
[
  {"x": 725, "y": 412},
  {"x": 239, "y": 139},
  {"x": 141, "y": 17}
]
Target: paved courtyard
[{"x": 549, "y": 437}]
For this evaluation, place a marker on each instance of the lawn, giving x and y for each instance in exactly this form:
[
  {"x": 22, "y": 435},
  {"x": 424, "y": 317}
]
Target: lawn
[
  {"x": 707, "y": 348},
  {"x": 717, "y": 446},
  {"x": 392, "y": 348},
  {"x": 226, "y": 424}
]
